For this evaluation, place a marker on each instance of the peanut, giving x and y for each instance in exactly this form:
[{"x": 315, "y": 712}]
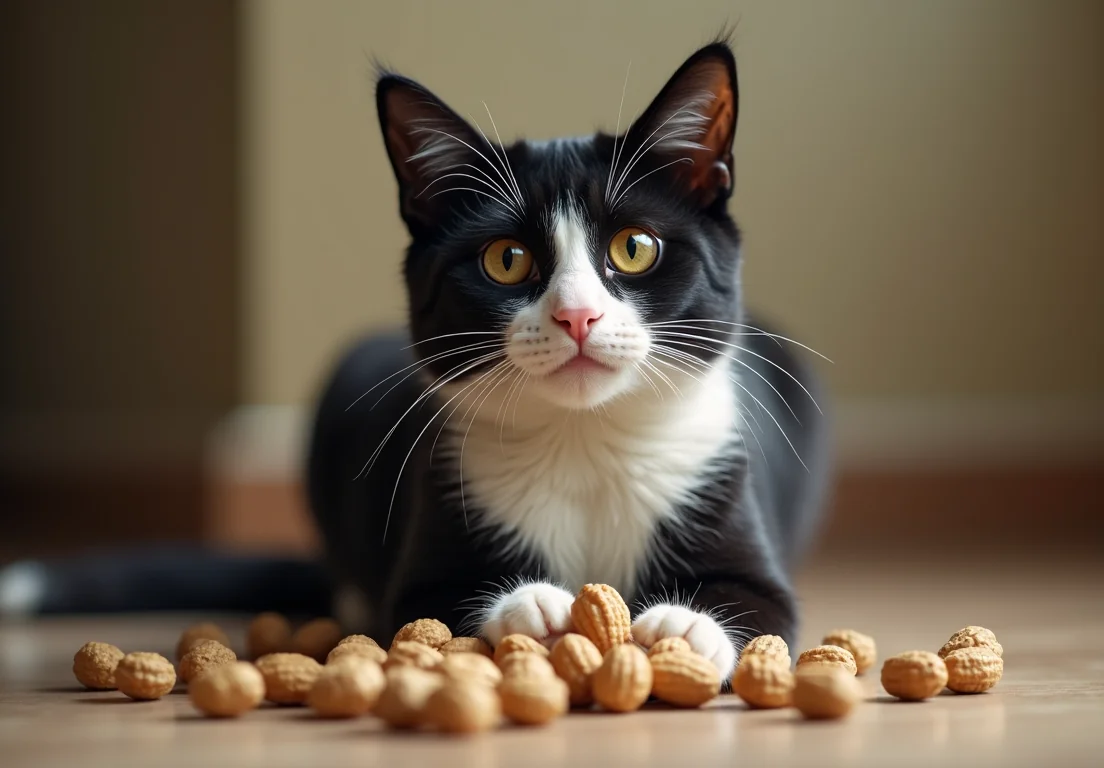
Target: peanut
[
  {"x": 534, "y": 701},
  {"x": 94, "y": 665},
  {"x": 372, "y": 652},
  {"x": 768, "y": 645},
  {"x": 473, "y": 666},
  {"x": 824, "y": 691},
  {"x": 145, "y": 676},
  {"x": 828, "y": 655},
  {"x": 972, "y": 637},
  {"x": 404, "y": 698},
  {"x": 206, "y": 654},
  {"x": 467, "y": 645},
  {"x": 463, "y": 706},
  {"x": 861, "y": 647},
  {"x": 411, "y": 654},
  {"x": 763, "y": 681},
  {"x": 665, "y": 644},
  {"x": 684, "y": 679},
  {"x": 426, "y": 631},
  {"x": 601, "y": 615},
  {"x": 317, "y": 638},
  {"x": 575, "y": 659},
  {"x": 228, "y": 690},
  {"x": 914, "y": 675},
  {"x": 526, "y": 664},
  {"x": 973, "y": 670},
  {"x": 357, "y": 640},
  {"x": 288, "y": 677},
  {"x": 347, "y": 688},
  {"x": 203, "y": 631},
  {"x": 624, "y": 680},
  {"x": 268, "y": 633},
  {"x": 514, "y": 643}
]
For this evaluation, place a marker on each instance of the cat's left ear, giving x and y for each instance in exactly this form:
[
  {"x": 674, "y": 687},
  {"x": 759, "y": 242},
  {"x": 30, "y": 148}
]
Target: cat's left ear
[{"x": 692, "y": 123}]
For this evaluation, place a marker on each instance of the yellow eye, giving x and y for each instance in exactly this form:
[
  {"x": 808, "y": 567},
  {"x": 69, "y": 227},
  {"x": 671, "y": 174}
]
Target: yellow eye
[
  {"x": 507, "y": 262},
  {"x": 633, "y": 251}
]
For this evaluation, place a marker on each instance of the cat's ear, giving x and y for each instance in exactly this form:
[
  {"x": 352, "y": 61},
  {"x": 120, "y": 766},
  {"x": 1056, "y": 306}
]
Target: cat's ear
[
  {"x": 425, "y": 140},
  {"x": 691, "y": 124}
]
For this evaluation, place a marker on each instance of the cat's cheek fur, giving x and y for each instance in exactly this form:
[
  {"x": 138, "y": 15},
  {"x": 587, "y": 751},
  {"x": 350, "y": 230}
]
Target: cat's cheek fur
[
  {"x": 705, "y": 635},
  {"x": 540, "y": 610}
]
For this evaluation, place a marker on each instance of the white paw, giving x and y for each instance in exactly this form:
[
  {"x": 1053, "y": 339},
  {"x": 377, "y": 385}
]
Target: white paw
[
  {"x": 702, "y": 632},
  {"x": 541, "y": 611}
]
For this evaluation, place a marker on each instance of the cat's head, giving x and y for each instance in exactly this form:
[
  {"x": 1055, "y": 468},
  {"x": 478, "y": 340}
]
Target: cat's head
[{"x": 570, "y": 263}]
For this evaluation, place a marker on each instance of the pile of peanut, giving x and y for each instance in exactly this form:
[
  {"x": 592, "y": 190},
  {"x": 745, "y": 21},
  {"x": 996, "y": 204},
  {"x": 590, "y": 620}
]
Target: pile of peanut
[{"x": 428, "y": 678}]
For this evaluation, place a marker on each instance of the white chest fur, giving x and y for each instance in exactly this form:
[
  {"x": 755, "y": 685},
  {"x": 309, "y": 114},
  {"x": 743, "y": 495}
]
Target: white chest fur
[{"x": 585, "y": 490}]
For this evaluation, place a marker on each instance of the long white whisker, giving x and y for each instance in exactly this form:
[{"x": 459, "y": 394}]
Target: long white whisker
[
  {"x": 417, "y": 363},
  {"x": 481, "y": 347},
  {"x": 466, "y": 144},
  {"x": 664, "y": 377},
  {"x": 451, "y": 335},
  {"x": 670, "y": 334},
  {"x": 490, "y": 387},
  {"x": 617, "y": 131},
  {"x": 648, "y": 379},
  {"x": 636, "y": 158},
  {"x": 621, "y": 197},
  {"x": 758, "y": 332},
  {"x": 395, "y": 492},
  {"x": 427, "y": 393},
  {"x": 691, "y": 360},
  {"x": 504, "y": 191},
  {"x": 479, "y": 192},
  {"x": 643, "y": 148},
  {"x": 500, "y": 197},
  {"x": 505, "y": 160},
  {"x": 735, "y": 359}
]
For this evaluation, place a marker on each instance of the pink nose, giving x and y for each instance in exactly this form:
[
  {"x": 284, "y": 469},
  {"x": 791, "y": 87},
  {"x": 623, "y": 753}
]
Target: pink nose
[{"x": 577, "y": 322}]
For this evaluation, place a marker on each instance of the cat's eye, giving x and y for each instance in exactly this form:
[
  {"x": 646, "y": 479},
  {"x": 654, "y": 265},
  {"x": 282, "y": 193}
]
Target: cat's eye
[
  {"x": 633, "y": 251},
  {"x": 507, "y": 262}
]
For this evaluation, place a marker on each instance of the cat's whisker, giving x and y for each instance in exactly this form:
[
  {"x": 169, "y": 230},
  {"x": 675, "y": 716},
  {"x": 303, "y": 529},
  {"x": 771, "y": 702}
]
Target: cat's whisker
[
  {"x": 691, "y": 360},
  {"x": 416, "y": 364},
  {"x": 513, "y": 193},
  {"x": 425, "y": 129},
  {"x": 490, "y": 386},
  {"x": 452, "y": 335},
  {"x": 513, "y": 421},
  {"x": 648, "y": 379},
  {"x": 479, "y": 192},
  {"x": 616, "y": 132},
  {"x": 645, "y": 147},
  {"x": 664, "y": 377},
  {"x": 505, "y": 159},
  {"x": 474, "y": 348},
  {"x": 758, "y": 332},
  {"x": 449, "y": 376},
  {"x": 637, "y": 158},
  {"x": 504, "y": 191},
  {"x": 502, "y": 408},
  {"x": 457, "y": 174},
  {"x": 398, "y": 477},
  {"x": 621, "y": 197},
  {"x": 672, "y": 335}
]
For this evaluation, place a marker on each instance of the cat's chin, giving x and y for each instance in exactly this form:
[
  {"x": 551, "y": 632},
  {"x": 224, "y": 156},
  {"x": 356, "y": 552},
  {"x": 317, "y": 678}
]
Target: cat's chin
[{"x": 582, "y": 387}]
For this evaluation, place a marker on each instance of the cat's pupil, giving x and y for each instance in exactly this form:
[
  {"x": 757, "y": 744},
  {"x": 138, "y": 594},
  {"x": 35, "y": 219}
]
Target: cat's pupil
[
  {"x": 630, "y": 246},
  {"x": 508, "y": 258}
]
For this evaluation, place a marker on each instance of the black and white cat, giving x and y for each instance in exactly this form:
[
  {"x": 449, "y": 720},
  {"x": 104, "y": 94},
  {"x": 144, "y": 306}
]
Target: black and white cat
[{"x": 581, "y": 396}]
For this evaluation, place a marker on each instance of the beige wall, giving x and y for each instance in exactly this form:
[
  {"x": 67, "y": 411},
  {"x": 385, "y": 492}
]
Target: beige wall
[{"x": 921, "y": 183}]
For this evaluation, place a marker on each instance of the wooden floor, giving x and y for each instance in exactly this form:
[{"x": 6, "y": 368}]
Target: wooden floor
[{"x": 1048, "y": 710}]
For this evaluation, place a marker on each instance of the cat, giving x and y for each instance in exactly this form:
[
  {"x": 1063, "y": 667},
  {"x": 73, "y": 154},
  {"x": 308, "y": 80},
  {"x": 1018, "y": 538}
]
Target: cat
[{"x": 580, "y": 396}]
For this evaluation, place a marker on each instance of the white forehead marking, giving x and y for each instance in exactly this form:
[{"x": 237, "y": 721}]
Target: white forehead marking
[{"x": 574, "y": 283}]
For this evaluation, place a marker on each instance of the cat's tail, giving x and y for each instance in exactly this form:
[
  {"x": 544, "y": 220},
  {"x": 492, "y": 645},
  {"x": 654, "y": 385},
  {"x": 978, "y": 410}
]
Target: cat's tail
[{"x": 184, "y": 579}]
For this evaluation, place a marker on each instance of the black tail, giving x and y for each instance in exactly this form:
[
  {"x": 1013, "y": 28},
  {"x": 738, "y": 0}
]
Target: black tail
[{"x": 166, "y": 579}]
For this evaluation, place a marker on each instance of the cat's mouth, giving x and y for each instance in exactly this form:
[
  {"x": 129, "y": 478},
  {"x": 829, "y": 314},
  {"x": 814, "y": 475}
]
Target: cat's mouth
[{"x": 583, "y": 364}]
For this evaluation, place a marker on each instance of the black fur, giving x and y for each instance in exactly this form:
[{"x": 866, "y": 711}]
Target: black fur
[{"x": 762, "y": 507}]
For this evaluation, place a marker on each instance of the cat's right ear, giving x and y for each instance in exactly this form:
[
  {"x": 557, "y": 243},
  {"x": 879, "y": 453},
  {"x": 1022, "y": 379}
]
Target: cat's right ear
[{"x": 425, "y": 140}]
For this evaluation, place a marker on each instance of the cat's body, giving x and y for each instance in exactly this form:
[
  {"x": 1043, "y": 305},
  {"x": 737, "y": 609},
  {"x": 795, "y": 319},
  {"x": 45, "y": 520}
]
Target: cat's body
[{"x": 581, "y": 397}]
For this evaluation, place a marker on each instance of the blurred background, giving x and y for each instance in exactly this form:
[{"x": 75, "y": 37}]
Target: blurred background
[{"x": 198, "y": 215}]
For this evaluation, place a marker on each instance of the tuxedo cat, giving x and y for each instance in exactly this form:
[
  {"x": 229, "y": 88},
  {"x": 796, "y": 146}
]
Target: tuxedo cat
[{"x": 580, "y": 395}]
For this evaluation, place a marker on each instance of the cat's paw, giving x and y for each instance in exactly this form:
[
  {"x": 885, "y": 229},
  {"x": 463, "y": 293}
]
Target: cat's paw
[
  {"x": 705, "y": 635},
  {"x": 541, "y": 611}
]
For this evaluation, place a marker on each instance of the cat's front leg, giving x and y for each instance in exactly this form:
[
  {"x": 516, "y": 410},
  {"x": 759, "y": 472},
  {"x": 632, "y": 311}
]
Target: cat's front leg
[
  {"x": 704, "y": 633},
  {"x": 537, "y": 609},
  {"x": 723, "y": 616}
]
